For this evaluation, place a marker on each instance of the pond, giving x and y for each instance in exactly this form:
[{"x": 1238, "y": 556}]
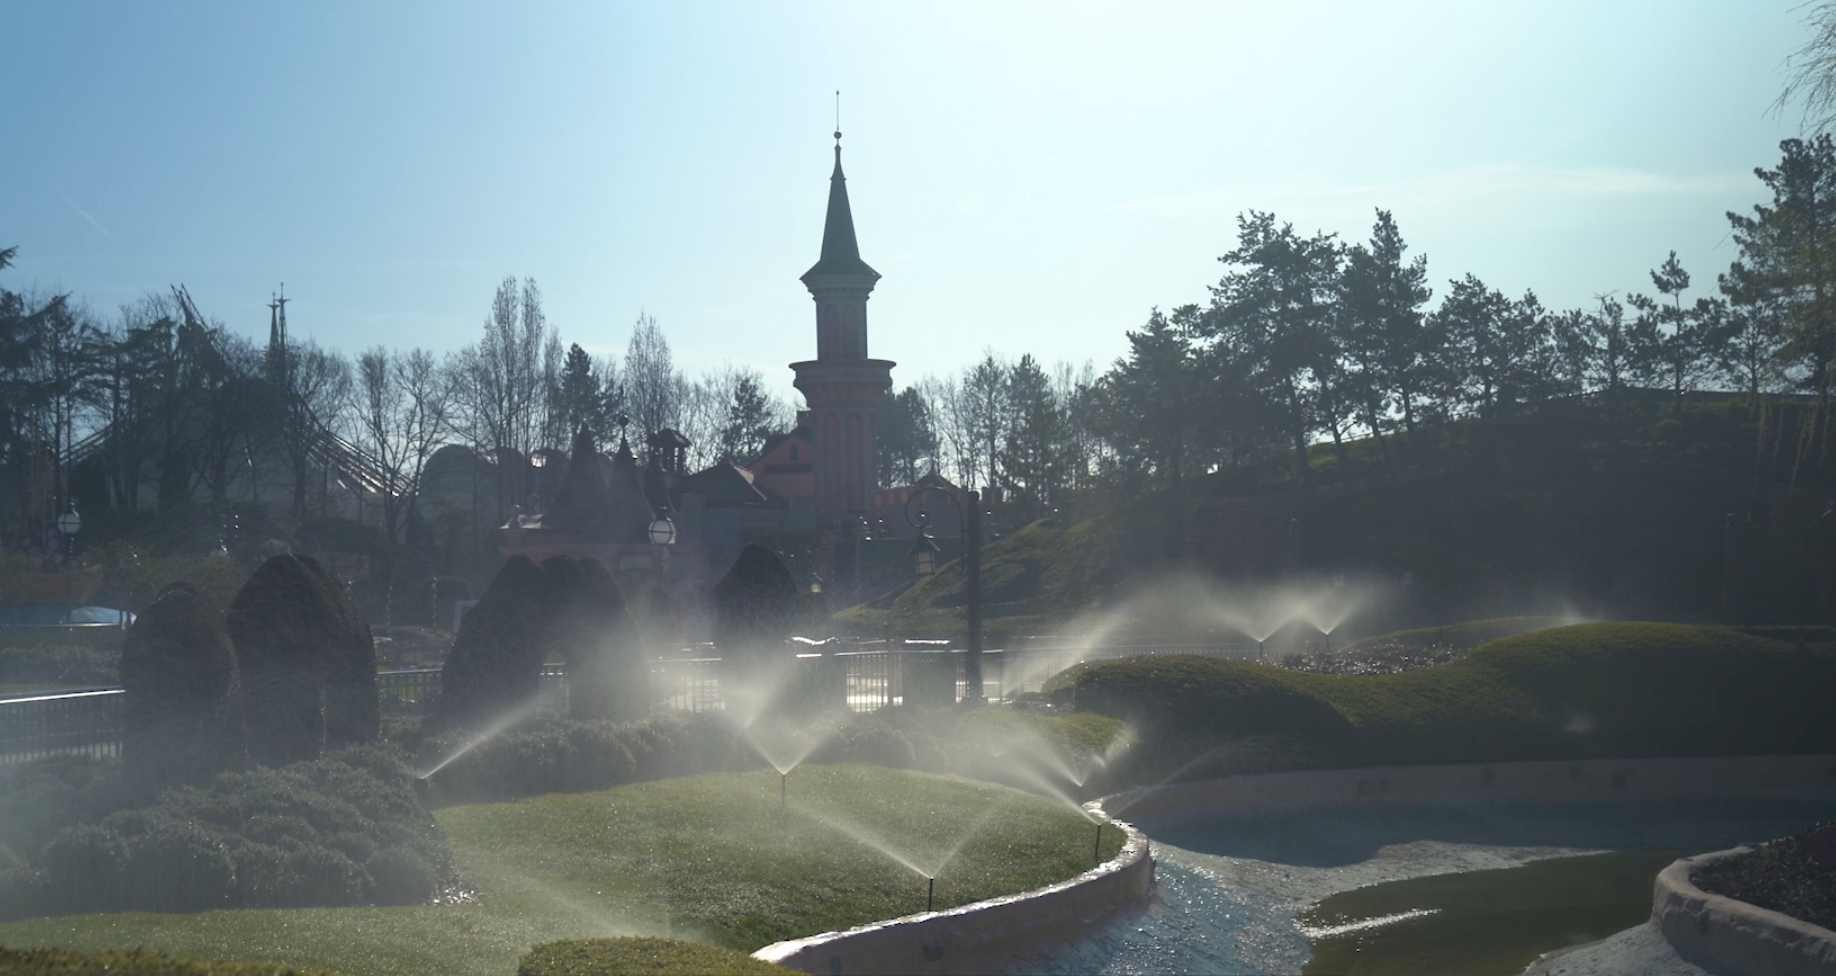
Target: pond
[{"x": 1466, "y": 888}]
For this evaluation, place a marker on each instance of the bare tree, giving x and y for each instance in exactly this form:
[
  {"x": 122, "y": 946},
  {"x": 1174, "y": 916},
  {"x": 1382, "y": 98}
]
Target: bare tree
[
  {"x": 654, "y": 390},
  {"x": 509, "y": 370},
  {"x": 1813, "y": 72}
]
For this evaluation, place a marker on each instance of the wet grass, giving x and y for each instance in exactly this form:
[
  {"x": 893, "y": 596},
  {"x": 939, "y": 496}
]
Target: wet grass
[
  {"x": 1481, "y": 923},
  {"x": 710, "y": 858}
]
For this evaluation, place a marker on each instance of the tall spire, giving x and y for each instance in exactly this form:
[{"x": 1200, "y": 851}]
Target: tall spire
[{"x": 841, "y": 254}]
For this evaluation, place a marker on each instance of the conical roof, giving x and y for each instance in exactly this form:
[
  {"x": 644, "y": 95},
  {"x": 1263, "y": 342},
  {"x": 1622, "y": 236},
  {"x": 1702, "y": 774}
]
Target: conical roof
[{"x": 841, "y": 254}]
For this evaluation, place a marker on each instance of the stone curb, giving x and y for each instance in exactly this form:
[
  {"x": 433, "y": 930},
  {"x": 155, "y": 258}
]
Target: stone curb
[
  {"x": 1733, "y": 938},
  {"x": 985, "y": 936}
]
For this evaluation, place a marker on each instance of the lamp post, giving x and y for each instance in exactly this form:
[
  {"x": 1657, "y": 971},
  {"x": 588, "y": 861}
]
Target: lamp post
[
  {"x": 68, "y": 525},
  {"x": 924, "y": 559}
]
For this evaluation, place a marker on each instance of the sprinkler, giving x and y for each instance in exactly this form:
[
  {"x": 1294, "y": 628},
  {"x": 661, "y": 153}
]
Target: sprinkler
[
  {"x": 783, "y": 790},
  {"x": 1096, "y": 850},
  {"x": 1260, "y": 656},
  {"x": 930, "y": 893}
]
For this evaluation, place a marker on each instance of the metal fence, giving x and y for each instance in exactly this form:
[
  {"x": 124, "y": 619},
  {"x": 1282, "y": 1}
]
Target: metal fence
[
  {"x": 859, "y": 675},
  {"x": 86, "y": 723}
]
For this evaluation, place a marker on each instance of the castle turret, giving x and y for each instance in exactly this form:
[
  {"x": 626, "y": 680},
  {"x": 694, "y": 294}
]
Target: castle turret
[{"x": 842, "y": 386}]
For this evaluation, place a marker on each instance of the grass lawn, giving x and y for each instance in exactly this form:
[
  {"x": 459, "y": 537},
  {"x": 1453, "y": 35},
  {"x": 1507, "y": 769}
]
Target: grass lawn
[{"x": 710, "y": 858}]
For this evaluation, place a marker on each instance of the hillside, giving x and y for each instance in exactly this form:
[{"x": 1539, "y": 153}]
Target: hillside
[{"x": 1587, "y": 508}]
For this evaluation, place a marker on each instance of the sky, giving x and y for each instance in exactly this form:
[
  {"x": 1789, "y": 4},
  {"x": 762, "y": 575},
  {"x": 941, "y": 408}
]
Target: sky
[{"x": 1028, "y": 178}]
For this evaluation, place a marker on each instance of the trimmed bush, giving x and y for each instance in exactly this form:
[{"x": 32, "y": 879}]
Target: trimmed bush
[
  {"x": 591, "y": 630},
  {"x": 63, "y": 962},
  {"x": 494, "y": 666},
  {"x": 753, "y": 606},
  {"x": 641, "y": 957},
  {"x": 181, "y": 716},
  {"x": 307, "y": 662},
  {"x": 345, "y": 830},
  {"x": 1613, "y": 690}
]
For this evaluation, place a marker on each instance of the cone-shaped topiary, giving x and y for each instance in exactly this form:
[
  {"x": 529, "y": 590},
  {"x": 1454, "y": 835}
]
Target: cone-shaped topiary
[
  {"x": 181, "y": 721},
  {"x": 296, "y": 632},
  {"x": 607, "y": 674},
  {"x": 753, "y": 606},
  {"x": 495, "y": 664}
]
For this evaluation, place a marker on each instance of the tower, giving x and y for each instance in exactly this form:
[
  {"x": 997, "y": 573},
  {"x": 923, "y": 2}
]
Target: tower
[{"x": 842, "y": 387}]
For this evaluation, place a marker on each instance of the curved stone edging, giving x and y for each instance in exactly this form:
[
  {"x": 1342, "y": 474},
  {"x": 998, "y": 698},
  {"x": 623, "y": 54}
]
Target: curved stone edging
[
  {"x": 983, "y": 936},
  {"x": 1729, "y": 937}
]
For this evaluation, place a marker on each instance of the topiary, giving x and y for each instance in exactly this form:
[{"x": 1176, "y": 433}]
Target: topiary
[
  {"x": 178, "y": 669},
  {"x": 494, "y": 665}
]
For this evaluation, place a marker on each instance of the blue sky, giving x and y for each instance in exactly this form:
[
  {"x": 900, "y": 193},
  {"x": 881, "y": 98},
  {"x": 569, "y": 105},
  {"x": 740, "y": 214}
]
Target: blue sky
[{"x": 1027, "y": 177}]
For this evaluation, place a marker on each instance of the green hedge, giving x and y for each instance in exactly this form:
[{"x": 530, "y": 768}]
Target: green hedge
[
  {"x": 344, "y": 830},
  {"x": 641, "y": 957},
  {"x": 1618, "y": 690},
  {"x": 60, "y": 962}
]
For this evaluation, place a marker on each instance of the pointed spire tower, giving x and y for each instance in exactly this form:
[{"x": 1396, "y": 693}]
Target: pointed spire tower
[{"x": 842, "y": 387}]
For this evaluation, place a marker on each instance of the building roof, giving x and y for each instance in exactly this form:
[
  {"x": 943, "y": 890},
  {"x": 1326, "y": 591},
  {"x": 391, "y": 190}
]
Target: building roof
[
  {"x": 841, "y": 255},
  {"x": 728, "y": 485}
]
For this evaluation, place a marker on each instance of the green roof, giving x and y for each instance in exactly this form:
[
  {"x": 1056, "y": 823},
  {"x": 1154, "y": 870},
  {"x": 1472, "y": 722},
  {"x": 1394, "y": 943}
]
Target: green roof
[{"x": 841, "y": 254}]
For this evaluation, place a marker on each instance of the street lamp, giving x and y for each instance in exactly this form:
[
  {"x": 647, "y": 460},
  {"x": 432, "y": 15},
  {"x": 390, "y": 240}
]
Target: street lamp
[
  {"x": 68, "y": 525},
  {"x": 924, "y": 557},
  {"x": 662, "y": 531}
]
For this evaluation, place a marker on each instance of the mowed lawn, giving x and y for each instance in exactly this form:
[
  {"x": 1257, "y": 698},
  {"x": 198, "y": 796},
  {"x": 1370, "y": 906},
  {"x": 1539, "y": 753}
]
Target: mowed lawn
[{"x": 712, "y": 858}]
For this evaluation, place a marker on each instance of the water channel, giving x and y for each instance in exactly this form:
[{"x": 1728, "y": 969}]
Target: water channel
[{"x": 1463, "y": 888}]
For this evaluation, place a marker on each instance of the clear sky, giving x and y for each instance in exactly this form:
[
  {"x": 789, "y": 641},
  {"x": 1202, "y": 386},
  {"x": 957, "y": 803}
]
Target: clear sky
[{"x": 1027, "y": 177}]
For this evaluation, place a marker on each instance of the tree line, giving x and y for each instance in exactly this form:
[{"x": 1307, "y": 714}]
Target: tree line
[
  {"x": 1308, "y": 340},
  {"x": 159, "y": 397}
]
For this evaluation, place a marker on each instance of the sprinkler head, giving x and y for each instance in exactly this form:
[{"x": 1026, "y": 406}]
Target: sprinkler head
[
  {"x": 783, "y": 790},
  {"x": 930, "y": 893},
  {"x": 1096, "y": 850}
]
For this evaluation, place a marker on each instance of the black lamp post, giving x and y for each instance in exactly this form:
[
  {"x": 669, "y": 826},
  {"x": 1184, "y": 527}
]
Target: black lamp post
[
  {"x": 68, "y": 525},
  {"x": 924, "y": 559}
]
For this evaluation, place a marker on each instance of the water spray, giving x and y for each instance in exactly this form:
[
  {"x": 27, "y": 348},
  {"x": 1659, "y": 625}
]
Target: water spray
[{"x": 930, "y": 893}]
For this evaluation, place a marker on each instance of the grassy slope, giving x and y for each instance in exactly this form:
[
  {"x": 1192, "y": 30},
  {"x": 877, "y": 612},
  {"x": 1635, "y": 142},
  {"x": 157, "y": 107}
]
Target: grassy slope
[
  {"x": 708, "y": 857},
  {"x": 1032, "y": 580},
  {"x": 1590, "y": 690}
]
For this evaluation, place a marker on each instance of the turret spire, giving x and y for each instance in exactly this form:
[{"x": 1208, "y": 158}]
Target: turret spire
[{"x": 841, "y": 254}]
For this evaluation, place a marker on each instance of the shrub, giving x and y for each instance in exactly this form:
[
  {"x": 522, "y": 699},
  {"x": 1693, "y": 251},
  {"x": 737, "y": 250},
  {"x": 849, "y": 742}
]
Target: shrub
[
  {"x": 401, "y": 876},
  {"x": 87, "y": 866},
  {"x": 320, "y": 876},
  {"x": 23, "y": 889},
  {"x": 638, "y": 957},
  {"x": 1616, "y": 690},
  {"x": 297, "y": 836},
  {"x": 493, "y": 667},
  {"x": 177, "y": 866},
  {"x": 181, "y": 722}
]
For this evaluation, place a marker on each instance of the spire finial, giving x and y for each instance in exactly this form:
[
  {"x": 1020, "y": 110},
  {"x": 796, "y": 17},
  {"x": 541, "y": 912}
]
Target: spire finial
[{"x": 837, "y": 118}]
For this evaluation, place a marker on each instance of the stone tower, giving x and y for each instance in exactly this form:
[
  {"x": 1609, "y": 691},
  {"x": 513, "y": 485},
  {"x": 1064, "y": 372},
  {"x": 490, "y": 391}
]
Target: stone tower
[{"x": 842, "y": 386}]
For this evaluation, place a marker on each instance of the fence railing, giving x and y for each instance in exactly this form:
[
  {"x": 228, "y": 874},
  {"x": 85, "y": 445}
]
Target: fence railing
[
  {"x": 861, "y": 676},
  {"x": 73, "y": 723}
]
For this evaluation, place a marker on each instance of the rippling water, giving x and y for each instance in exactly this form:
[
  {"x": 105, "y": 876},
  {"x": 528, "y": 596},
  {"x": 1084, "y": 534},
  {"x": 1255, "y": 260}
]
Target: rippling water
[{"x": 1230, "y": 890}]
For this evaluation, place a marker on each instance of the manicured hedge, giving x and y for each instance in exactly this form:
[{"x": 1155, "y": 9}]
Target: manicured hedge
[
  {"x": 344, "y": 830},
  {"x": 1585, "y": 691},
  {"x": 61, "y": 962},
  {"x": 641, "y": 957}
]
